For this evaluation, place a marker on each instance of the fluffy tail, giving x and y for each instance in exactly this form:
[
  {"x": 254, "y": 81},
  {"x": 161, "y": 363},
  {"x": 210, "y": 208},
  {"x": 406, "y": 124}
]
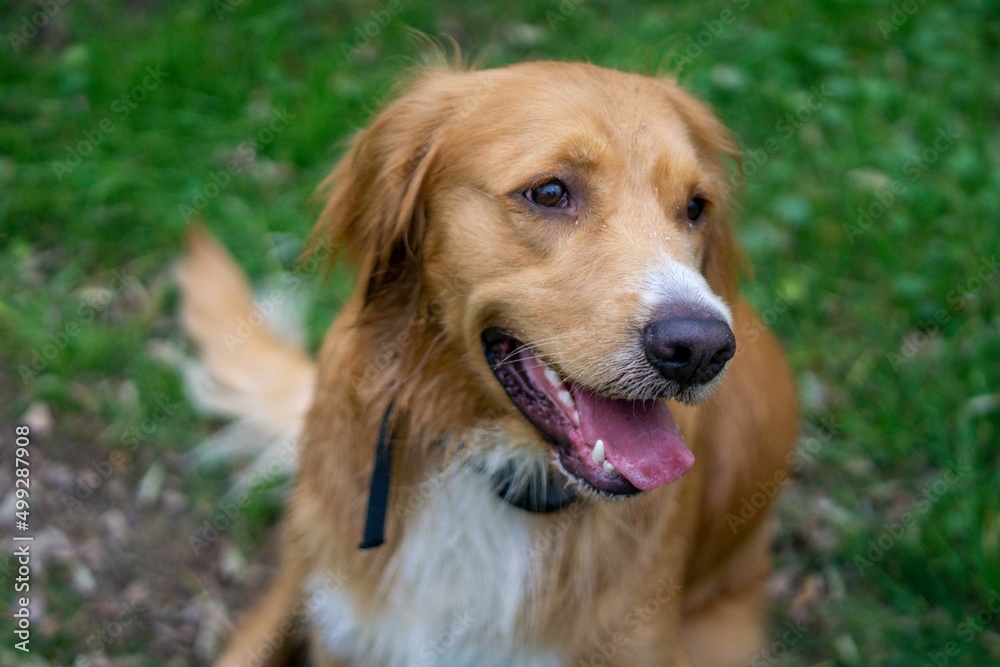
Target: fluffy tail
[{"x": 244, "y": 370}]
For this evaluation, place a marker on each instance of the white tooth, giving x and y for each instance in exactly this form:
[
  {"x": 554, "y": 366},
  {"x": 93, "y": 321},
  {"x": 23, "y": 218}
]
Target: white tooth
[
  {"x": 552, "y": 377},
  {"x": 576, "y": 416},
  {"x": 566, "y": 398},
  {"x": 597, "y": 454},
  {"x": 608, "y": 467}
]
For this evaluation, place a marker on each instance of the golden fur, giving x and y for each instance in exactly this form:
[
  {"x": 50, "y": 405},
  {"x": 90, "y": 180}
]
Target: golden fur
[{"x": 425, "y": 206}]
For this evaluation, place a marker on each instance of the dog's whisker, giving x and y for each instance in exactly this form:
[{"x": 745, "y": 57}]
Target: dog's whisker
[{"x": 533, "y": 347}]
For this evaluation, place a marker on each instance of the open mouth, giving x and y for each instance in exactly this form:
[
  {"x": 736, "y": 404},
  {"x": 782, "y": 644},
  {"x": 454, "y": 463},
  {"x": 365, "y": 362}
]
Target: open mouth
[{"x": 615, "y": 446}]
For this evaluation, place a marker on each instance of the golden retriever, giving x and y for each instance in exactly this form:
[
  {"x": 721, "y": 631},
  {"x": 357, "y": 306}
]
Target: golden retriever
[{"x": 545, "y": 407}]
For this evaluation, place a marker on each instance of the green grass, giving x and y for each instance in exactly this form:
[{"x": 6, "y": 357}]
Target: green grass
[{"x": 892, "y": 323}]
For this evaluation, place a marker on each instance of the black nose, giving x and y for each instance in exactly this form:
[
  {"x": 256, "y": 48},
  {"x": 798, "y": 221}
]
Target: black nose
[{"x": 689, "y": 350}]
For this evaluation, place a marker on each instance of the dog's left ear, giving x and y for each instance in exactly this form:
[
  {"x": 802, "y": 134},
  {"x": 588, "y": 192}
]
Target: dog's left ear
[
  {"x": 723, "y": 259},
  {"x": 374, "y": 210}
]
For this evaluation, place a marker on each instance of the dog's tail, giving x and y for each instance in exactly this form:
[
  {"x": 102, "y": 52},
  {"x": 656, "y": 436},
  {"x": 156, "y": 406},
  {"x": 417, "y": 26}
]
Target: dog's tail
[{"x": 244, "y": 371}]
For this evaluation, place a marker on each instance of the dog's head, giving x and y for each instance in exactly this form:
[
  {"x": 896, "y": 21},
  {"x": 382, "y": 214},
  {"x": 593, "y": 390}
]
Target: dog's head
[{"x": 564, "y": 226}]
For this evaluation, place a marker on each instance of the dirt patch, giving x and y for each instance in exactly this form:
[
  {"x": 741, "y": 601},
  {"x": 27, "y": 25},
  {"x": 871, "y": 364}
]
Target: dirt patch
[{"x": 114, "y": 577}]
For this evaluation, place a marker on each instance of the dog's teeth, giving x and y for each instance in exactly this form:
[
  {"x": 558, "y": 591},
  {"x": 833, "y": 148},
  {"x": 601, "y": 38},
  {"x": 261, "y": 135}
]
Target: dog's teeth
[
  {"x": 566, "y": 398},
  {"x": 553, "y": 377},
  {"x": 576, "y": 416},
  {"x": 597, "y": 454},
  {"x": 608, "y": 467}
]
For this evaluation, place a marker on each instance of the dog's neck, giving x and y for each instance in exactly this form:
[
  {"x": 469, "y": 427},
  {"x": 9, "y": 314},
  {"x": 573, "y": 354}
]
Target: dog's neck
[
  {"x": 537, "y": 491},
  {"x": 417, "y": 355}
]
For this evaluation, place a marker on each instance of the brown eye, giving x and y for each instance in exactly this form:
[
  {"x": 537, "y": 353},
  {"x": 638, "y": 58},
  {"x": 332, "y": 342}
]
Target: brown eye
[
  {"x": 696, "y": 206},
  {"x": 551, "y": 194}
]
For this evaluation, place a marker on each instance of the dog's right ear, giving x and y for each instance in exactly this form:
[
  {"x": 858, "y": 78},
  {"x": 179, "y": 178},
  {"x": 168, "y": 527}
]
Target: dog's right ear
[{"x": 374, "y": 207}]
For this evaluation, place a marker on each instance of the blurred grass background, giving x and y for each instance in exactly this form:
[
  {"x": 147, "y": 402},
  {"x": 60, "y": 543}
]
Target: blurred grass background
[{"x": 871, "y": 141}]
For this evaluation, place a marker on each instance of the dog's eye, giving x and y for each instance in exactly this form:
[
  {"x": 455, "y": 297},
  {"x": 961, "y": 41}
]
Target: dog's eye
[
  {"x": 696, "y": 206},
  {"x": 551, "y": 194}
]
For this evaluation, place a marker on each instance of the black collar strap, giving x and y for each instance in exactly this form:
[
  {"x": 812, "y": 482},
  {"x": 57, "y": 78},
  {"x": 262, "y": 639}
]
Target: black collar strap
[
  {"x": 540, "y": 493},
  {"x": 378, "y": 492}
]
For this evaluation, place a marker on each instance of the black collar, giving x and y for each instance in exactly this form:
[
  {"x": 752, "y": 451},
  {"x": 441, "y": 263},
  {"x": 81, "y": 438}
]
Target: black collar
[
  {"x": 540, "y": 493},
  {"x": 378, "y": 492}
]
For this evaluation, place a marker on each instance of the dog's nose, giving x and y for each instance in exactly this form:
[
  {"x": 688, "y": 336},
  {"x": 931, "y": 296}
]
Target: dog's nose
[{"x": 689, "y": 350}]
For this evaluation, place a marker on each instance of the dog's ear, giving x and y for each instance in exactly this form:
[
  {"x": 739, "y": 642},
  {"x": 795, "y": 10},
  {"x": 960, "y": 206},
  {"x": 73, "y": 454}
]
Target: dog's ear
[
  {"x": 723, "y": 260},
  {"x": 373, "y": 214}
]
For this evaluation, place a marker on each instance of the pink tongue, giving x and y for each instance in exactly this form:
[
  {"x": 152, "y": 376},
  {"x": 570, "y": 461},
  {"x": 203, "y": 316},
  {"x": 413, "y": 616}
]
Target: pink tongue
[{"x": 641, "y": 438}]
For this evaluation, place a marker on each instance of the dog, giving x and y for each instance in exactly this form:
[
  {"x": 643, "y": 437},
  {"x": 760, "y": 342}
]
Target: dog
[{"x": 532, "y": 433}]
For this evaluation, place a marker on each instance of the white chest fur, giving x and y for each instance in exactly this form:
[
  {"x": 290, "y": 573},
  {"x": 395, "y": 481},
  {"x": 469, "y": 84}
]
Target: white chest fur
[{"x": 457, "y": 585}]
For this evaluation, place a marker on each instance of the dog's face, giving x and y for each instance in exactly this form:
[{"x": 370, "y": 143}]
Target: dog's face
[{"x": 568, "y": 222}]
